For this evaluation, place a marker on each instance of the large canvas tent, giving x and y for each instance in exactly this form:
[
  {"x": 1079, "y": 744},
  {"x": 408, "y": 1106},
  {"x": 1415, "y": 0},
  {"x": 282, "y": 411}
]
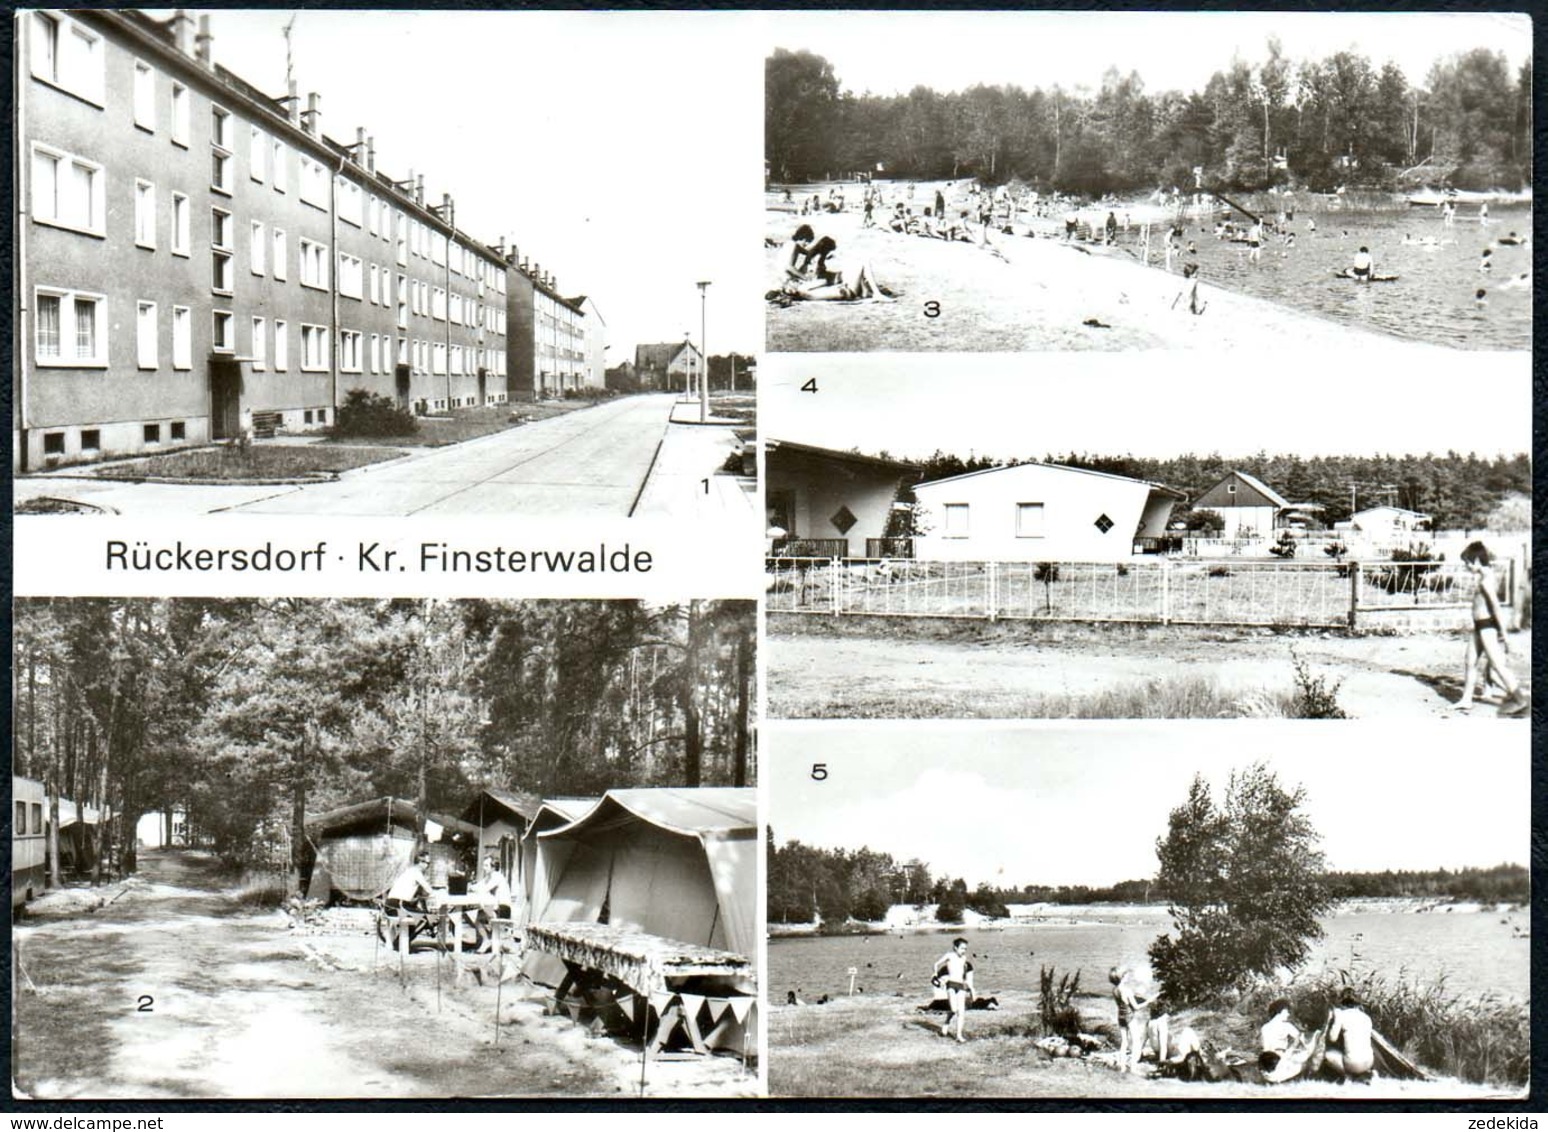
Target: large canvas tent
[
  {"x": 359, "y": 850},
  {"x": 552, "y": 814},
  {"x": 676, "y": 863}
]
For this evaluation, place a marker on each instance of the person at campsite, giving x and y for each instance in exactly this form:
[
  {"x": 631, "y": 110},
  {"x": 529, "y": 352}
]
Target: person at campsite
[
  {"x": 1071, "y": 223},
  {"x": 1362, "y": 265},
  {"x": 940, "y": 203},
  {"x": 1279, "y": 1037},
  {"x": 1255, "y": 241},
  {"x": 1111, "y": 228},
  {"x": 1350, "y": 1053},
  {"x": 1488, "y": 639},
  {"x": 869, "y": 221},
  {"x": 954, "y": 973},
  {"x": 497, "y": 885},
  {"x": 411, "y": 884},
  {"x": 1131, "y": 1017}
]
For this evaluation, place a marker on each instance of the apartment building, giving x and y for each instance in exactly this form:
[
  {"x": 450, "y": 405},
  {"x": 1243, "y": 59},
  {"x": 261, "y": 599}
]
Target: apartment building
[
  {"x": 548, "y": 335},
  {"x": 196, "y": 260}
]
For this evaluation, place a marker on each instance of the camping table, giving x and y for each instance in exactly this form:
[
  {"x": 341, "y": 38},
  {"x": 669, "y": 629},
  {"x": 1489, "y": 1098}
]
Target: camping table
[
  {"x": 648, "y": 965},
  {"x": 465, "y": 908}
]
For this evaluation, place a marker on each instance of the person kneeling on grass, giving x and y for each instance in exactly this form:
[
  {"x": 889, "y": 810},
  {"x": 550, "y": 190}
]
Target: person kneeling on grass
[
  {"x": 954, "y": 972},
  {"x": 1488, "y": 639},
  {"x": 864, "y": 286},
  {"x": 1350, "y": 1055}
]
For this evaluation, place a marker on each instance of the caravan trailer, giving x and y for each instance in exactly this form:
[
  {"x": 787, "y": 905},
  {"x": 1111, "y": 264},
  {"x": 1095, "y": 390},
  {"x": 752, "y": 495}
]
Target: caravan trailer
[{"x": 29, "y": 872}]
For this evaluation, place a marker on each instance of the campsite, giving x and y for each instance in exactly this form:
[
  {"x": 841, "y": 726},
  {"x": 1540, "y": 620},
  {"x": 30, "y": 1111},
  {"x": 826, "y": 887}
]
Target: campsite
[{"x": 352, "y": 887}]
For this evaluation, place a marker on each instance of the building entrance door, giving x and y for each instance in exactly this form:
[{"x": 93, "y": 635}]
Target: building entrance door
[
  {"x": 225, "y": 399},
  {"x": 402, "y": 377},
  {"x": 483, "y": 387}
]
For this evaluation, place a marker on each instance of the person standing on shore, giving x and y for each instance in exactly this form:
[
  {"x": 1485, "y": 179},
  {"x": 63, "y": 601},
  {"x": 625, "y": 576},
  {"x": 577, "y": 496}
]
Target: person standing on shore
[
  {"x": 1488, "y": 639},
  {"x": 1255, "y": 242},
  {"x": 954, "y": 973},
  {"x": 1131, "y": 1018}
]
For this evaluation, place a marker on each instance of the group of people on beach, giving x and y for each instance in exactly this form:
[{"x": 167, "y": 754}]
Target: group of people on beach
[{"x": 809, "y": 275}]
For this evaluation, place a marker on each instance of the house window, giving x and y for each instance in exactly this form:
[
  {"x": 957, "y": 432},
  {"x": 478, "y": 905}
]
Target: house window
[
  {"x": 314, "y": 183},
  {"x": 347, "y": 193},
  {"x": 314, "y": 347},
  {"x": 257, "y": 246},
  {"x": 91, "y": 440},
  {"x": 438, "y": 304},
  {"x": 456, "y": 309},
  {"x": 182, "y": 338},
  {"x": 220, "y": 128},
  {"x": 257, "y": 149},
  {"x": 314, "y": 264},
  {"x": 438, "y": 358},
  {"x": 281, "y": 345},
  {"x": 220, "y": 272},
  {"x": 145, "y": 334},
  {"x": 281, "y": 254},
  {"x": 67, "y": 55},
  {"x": 956, "y": 520},
  {"x": 1029, "y": 520},
  {"x": 71, "y": 328},
  {"x": 220, "y": 229},
  {"x": 375, "y": 357},
  {"x": 145, "y": 214},
  {"x": 152, "y": 434},
  {"x": 67, "y": 191},
  {"x": 220, "y": 172},
  {"x": 180, "y": 216},
  {"x": 350, "y": 276},
  {"x": 403, "y": 302},
  {"x": 277, "y": 170},
  {"x": 376, "y": 284},
  {"x": 456, "y": 360},
  {"x": 144, "y": 96},
  {"x": 260, "y": 349},
  {"x": 1103, "y": 523},
  {"x": 53, "y": 445},
  {"x": 349, "y": 350},
  {"x": 179, "y": 430},
  {"x": 223, "y": 335},
  {"x": 182, "y": 104}
]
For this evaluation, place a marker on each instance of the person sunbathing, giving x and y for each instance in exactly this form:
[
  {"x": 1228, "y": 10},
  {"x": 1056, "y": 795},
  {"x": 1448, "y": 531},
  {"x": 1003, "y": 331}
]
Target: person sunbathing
[{"x": 865, "y": 285}]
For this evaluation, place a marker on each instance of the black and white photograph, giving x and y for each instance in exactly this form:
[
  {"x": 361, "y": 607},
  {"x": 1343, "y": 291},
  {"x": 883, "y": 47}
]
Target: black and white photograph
[
  {"x": 1011, "y": 181},
  {"x": 348, "y": 263},
  {"x": 383, "y": 849},
  {"x": 1154, "y": 911},
  {"x": 1163, "y": 536}
]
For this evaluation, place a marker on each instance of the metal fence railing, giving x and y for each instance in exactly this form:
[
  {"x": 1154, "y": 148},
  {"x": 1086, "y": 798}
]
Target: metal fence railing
[{"x": 1175, "y": 591}]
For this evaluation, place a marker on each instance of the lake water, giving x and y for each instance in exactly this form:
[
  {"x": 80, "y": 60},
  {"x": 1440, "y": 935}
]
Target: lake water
[
  {"x": 1475, "y": 951},
  {"x": 1432, "y": 301}
]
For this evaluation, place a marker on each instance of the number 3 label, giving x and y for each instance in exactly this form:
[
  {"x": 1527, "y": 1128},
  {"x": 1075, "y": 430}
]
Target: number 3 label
[{"x": 932, "y": 309}]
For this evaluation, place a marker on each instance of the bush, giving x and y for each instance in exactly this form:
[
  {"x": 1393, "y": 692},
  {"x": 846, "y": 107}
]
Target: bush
[
  {"x": 1056, "y": 1012},
  {"x": 369, "y": 414},
  {"x": 948, "y": 912},
  {"x": 1315, "y": 697}
]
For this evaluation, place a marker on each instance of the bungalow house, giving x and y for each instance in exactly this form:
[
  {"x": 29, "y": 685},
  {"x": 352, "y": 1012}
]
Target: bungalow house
[
  {"x": 1249, "y": 506},
  {"x": 1384, "y": 524},
  {"x": 825, "y": 502},
  {"x": 1038, "y": 512}
]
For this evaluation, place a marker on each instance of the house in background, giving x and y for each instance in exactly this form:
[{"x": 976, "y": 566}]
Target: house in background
[
  {"x": 502, "y": 818},
  {"x": 1383, "y": 525},
  {"x": 826, "y": 502},
  {"x": 1038, "y": 512},
  {"x": 668, "y": 366},
  {"x": 621, "y": 378},
  {"x": 1249, "y": 506}
]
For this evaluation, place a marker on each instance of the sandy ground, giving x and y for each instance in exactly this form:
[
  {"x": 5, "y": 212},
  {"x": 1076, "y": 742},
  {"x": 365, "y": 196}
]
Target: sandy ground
[
  {"x": 879, "y": 668},
  {"x": 243, "y": 1007},
  {"x": 1037, "y": 294},
  {"x": 872, "y": 1045}
]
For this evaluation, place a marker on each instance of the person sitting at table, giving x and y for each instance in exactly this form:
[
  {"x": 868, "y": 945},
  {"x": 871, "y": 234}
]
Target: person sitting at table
[
  {"x": 410, "y": 884},
  {"x": 496, "y": 884}
]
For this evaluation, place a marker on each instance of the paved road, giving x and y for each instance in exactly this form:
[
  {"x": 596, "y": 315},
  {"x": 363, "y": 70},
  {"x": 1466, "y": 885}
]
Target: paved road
[{"x": 589, "y": 462}]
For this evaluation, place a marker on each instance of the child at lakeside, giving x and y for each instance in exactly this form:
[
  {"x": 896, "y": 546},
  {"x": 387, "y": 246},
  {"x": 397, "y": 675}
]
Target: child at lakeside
[
  {"x": 1131, "y": 1018},
  {"x": 1488, "y": 639},
  {"x": 955, "y": 974}
]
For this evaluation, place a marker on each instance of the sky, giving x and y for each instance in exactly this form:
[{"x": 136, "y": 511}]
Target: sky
[
  {"x": 623, "y": 152},
  {"x": 891, "y": 53},
  {"x": 1152, "y": 403},
  {"x": 1060, "y": 804}
]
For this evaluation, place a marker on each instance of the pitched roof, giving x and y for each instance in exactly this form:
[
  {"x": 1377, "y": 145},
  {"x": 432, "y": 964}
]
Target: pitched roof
[
  {"x": 771, "y": 446},
  {"x": 703, "y": 811},
  {"x": 1259, "y": 486},
  {"x": 1056, "y": 467},
  {"x": 522, "y": 805},
  {"x": 662, "y": 354}
]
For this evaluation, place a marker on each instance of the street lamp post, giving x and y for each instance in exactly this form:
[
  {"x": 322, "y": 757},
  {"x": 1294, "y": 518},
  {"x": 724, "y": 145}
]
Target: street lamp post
[{"x": 703, "y": 285}]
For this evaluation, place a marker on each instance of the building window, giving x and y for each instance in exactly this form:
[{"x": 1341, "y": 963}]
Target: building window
[
  {"x": 145, "y": 214},
  {"x": 220, "y": 229},
  {"x": 438, "y": 304},
  {"x": 277, "y": 171},
  {"x": 456, "y": 309},
  {"x": 260, "y": 350},
  {"x": 67, "y": 191},
  {"x": 220, "y": 128},
  {"x": 347, "y": 193},
  {"x": 182, "y": 103},
  {"x": 281, "y": 254},
  {"x": 350, "y": 275},
  {"x": 179, "y": 224},
  {"x": 71, "y": 329},
  {"x": 281, "y": 345},
  {"x": 374, "y": 358},
  {"x": 220, "y": 272},
  {"x": 438, "y": 358},
  {"x": 144, "y": 96},
  {"x": 152, "y": 434},
  {"x": 91, "y": 440},
  {"x": 956, "y": 520},
  {"x": 456, "y": 360},
  {"x": 314, "y": 347},
  {"x": 376, "y": 284},
  {"x": 349, "y": 351},
  {"x": 182, "y": 338},
  {"x": 179, "y": 430},
  {"x": 403, "y": 302},
  {"x": 223, "y": 336},
  {"x": 314, "y": 183},
  {"x": 53, "y": 445},
  {"x": 314, "y": 264},
  {"x": 257, "y": 246},
  {"x": 220, "y": 172},
  {"x": 145, "y": 334},
  {"x": 67, "y": 55},
  {"x": 257, "y": 149},
  {"x": 1029, "y": 520}
]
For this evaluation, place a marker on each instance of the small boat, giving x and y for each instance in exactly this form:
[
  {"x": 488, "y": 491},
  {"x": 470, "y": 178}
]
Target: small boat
[{"x": 1348, "y": 273}]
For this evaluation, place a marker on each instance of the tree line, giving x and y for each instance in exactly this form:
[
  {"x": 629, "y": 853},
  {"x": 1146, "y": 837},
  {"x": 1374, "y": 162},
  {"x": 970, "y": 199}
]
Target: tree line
[
  {"x": 1320, "y": 124},
  {"x": 1461, "y": 492},
  {"x": 248, "y": 714}
]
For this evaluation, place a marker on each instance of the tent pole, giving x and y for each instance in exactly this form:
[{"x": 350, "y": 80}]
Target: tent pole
[{"x": 644, "y": 1037}]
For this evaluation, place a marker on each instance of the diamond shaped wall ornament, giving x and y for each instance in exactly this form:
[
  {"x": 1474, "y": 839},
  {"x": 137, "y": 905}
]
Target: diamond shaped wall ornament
[
  {"x": 1103, "y": 523},
  {"x": 843, "y": 519}
]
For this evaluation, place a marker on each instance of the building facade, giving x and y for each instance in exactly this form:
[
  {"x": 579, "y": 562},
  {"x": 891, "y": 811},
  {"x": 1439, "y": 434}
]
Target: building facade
[
  {"x": 548, "y": 335},
  {"x": 824, "y": 503},
  {"x": 197, "y": 260},
  {"x": 668, "y": 366},
  {"x": 1250, "y": 507}
]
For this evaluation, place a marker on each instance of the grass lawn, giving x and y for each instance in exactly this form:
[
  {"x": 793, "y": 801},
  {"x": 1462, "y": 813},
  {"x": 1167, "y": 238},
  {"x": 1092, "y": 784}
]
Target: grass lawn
[
  {"x": 231, "y": 464},
  {"x": 469, "y": 424},
  {"x": 741, "y": 406}
]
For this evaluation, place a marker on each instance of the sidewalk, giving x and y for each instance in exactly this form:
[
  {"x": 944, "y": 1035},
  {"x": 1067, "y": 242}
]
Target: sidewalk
[{"x": 686, "y": 481}]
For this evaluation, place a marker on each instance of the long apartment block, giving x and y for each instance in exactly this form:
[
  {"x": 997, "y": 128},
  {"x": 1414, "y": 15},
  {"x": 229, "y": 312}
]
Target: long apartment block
[{"x": 197, "y": 260}]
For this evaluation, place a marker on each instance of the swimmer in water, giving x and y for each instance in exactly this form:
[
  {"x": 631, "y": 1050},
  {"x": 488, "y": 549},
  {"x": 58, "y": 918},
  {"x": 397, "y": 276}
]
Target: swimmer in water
[
  {"x": 1486, "y": 263},
  {"x": 1481, "y": 298}
]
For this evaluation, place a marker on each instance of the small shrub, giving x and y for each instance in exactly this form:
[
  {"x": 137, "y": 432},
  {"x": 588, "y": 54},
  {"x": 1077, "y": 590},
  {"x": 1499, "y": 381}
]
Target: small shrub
[
  {"x": 1056, "y": 1012},
  {"x": 1220, "y": 570},
  {"x": 262, "y": 890},
  {"x": 1315, "y": 696},
  {"x": 948, "y": 912},
  {"x": 369, "y": 414},
  {"x": 1285, "y": 547},
  {"x": 1123, "y": 569},
  {"x": 1046, "y": 572}
]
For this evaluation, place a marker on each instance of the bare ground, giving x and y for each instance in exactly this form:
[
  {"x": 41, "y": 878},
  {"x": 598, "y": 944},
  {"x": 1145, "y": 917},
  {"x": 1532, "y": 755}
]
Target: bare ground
[
  {"x": 912, "y": 668},
  {"x": 242, "y": 1007},
  {"x": 878, "y": 1046}
]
